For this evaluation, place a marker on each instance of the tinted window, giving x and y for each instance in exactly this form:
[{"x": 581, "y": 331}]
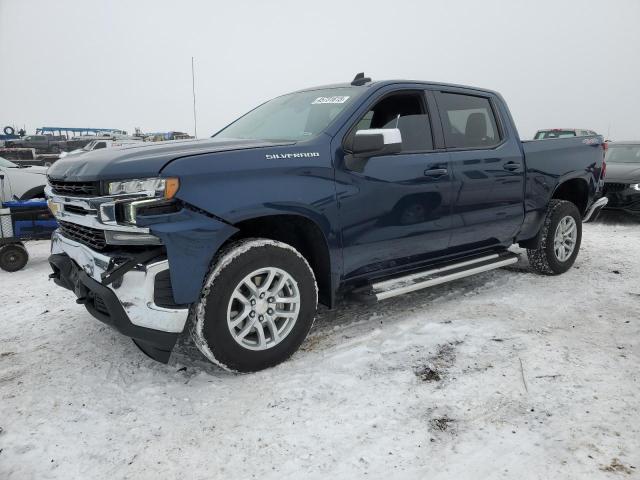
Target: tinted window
[
  {"x": 100, "y": 145},
  {"x": 406, "y": 112},
  {"x": 468, "y": 121},
  {"x": 555, "y": 134},
  {"x": 623, "y": 154},
  {"x": 6, "y": 163}
]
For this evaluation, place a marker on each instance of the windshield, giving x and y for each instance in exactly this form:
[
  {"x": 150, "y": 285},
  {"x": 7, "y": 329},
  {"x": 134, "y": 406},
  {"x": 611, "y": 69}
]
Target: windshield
[
  {"x": 296, "y": 116},
  {"x": 6, "y": 163},
  {"x": 89, "y": 146},
  {"x": 555, "y": 134},
  {"x": 623, "y": 154}
]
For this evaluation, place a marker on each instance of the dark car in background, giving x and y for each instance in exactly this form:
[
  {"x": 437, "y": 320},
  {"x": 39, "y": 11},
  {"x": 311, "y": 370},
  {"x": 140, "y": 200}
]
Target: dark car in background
[
  {"x": 622, "y": 183},
  {"x": 41, "y": 143},
  {"x": 562, "y": 133}
]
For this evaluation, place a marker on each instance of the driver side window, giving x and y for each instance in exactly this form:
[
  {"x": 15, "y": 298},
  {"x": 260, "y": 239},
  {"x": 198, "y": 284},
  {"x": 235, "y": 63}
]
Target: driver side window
[{"x": 408, "y": 113}]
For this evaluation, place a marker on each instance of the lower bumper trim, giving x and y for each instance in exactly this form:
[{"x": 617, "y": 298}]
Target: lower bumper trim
[{"x": 102, "y": 303}]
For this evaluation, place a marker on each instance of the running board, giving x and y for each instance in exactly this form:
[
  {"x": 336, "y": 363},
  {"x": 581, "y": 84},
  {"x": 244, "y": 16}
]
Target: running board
[{"x": 429, "y": 278}]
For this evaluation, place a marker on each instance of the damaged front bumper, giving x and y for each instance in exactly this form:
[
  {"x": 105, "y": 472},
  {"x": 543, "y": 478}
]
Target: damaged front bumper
[
  {"x": 129, "y": 296},
  {"x": 625, "y": 199}
]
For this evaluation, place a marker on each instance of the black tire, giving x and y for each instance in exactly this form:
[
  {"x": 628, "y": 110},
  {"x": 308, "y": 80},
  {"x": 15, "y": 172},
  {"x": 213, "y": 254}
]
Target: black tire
[
  {"x": 13, "y": 257},
  {"x": 8, "y": 130},
  {"x": 211, "y": 331},
  {"x": 543, "y": 259}
]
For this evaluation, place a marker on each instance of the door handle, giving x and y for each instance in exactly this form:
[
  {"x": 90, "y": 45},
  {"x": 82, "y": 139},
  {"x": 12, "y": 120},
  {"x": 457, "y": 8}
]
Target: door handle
[
  {"x": 511, "y": 166},
  {"x": 436, "y": 172}
]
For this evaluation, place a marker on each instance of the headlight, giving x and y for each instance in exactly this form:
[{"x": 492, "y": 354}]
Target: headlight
[
  {"x": 157, "y": 187},
  {"x": 635, "y": 186}
]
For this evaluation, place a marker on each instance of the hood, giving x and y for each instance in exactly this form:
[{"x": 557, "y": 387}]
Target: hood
[
  {"x": 141, "y": 161},
  {"x": 623, "y": 173},
  {"x": 31, "y": 169},
  {"x": 36, "y": 169}
]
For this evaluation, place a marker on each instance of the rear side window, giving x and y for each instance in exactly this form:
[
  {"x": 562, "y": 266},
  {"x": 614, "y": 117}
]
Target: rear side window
[
  {"x": 555, "y": 134},
  {"x": 468, "y": 121}
]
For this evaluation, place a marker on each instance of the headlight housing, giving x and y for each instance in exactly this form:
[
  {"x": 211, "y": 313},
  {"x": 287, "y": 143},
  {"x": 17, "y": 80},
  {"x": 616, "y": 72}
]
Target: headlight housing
[
  {"x": 635, "y": 186},
  {"x": 154, "y": 187},
  {"x": 142, "y": 194}
]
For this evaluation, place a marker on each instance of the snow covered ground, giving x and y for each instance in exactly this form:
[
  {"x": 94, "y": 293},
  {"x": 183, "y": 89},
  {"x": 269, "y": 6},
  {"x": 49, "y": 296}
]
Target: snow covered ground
[{"x": 503, "y": 375}]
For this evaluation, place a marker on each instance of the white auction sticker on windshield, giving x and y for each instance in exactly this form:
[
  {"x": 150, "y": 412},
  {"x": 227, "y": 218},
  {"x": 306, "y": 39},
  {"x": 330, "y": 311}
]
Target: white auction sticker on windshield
[{"x": 329, "y": 100}]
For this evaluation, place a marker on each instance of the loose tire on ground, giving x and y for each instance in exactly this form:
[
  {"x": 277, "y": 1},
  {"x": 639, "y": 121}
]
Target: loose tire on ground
[
  {"x": 252, "y": 282},
  {"x": 13, "y": 257},
  {"x": 545, "y": 259}
]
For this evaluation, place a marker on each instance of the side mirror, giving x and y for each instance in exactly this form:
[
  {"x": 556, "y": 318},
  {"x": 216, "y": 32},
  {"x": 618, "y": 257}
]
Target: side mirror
[{"x": 376, "y": 142}]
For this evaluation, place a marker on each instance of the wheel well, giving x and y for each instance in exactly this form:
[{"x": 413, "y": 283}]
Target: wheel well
[
  {"x": 303, "y": 235},
  {"x": 575, "y": 191},
  {"x": 35, "y": 192}
]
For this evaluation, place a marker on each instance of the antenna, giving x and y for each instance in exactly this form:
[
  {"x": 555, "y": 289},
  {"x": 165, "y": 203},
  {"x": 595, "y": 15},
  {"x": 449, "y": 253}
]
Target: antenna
[
  {"x": 360, "y": 79},
  {"x": 193, "y": 89}
]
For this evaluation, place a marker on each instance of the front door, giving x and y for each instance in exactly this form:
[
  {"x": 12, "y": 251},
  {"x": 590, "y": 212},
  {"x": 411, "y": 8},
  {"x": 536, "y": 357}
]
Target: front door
[{"x": 395, "y": 209}]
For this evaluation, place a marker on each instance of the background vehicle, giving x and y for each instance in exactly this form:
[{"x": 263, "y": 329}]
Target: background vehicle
[
  {"x": 28, "y": 156},
  {"x": 41, "y": 143},
  {"x": 101, "y": 143},
  {"x": 562, "y": 133},
  {"x": 622, "y": 184},
  {"x": 21, "y": 182},
  {"x": 21, "y": 221},
  {"x": 371, "y": 189}
]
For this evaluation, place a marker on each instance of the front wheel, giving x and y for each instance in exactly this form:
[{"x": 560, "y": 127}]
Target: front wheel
[
  {"x": 257, "y": 306},
  {"x": 560, "y": 239}
]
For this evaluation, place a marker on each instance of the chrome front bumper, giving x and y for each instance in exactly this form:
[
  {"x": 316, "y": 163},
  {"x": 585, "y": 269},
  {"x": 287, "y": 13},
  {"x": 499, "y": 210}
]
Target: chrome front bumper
[{"x": 136, "y": 290}]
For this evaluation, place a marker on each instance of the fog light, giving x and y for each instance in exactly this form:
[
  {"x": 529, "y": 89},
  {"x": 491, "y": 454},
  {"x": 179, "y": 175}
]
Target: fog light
[{"x": 54, "y": 207}]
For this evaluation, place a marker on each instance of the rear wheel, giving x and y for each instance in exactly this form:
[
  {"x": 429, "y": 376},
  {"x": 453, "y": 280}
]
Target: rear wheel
[
  {"x": 257, "y": 306},
  {"x": 13, "y": 257},
  {"x": 560, "y": 239}
]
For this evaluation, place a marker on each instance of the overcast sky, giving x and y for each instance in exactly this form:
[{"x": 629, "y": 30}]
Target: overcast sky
[{"x": 125, "y": 64}]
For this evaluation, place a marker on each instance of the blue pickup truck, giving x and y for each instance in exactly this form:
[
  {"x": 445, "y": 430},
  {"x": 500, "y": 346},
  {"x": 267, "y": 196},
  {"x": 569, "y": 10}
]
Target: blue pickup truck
[{"x": 368, "y": 189}]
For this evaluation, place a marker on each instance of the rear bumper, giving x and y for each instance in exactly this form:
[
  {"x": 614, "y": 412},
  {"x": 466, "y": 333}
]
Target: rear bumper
[{"x": 127, "y": 304}]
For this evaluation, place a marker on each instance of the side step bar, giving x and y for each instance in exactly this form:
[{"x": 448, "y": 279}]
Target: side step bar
[{"x": 429, "y": 278}]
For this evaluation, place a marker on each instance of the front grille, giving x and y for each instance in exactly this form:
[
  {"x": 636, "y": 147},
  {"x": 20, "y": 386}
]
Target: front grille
[
  {"x": 87, "y": 189},
  {"x": 615, "y": 187},
  {"x": 77, "y": 210},
  {"x": 90, "y": 237}
]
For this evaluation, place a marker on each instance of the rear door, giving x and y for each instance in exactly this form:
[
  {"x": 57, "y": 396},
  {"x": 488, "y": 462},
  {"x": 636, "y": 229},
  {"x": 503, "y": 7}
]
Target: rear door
[{"x": 487, "y": 169}]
